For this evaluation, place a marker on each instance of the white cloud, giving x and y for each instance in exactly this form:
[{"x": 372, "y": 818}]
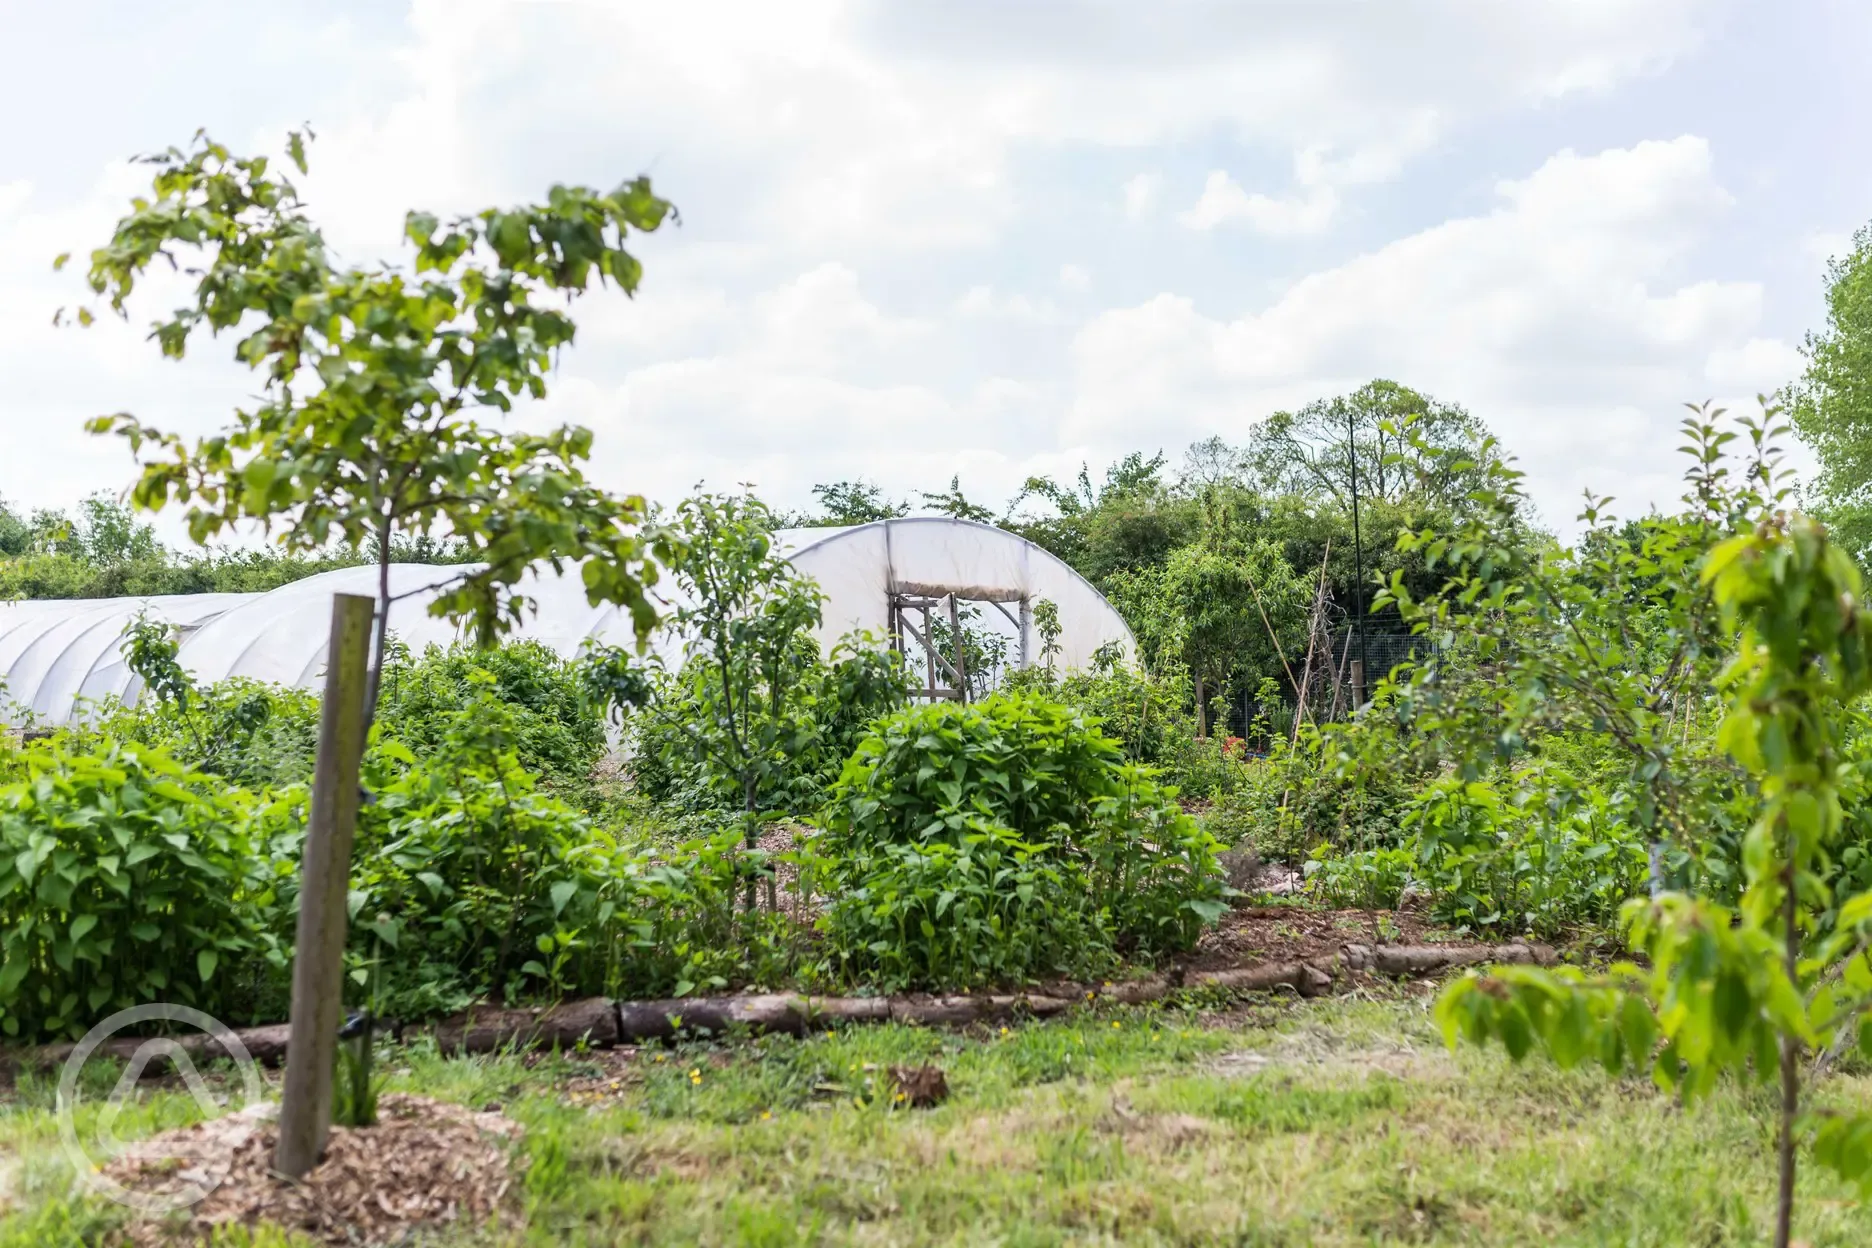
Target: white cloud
[
  {"x": 1223, "y": 200},
  {"x": 856, "y": 287},
  {"x": 1140, "y": 194},
  {"x": 985, "y": 303},
  {"x": 1555, "y": 317}
]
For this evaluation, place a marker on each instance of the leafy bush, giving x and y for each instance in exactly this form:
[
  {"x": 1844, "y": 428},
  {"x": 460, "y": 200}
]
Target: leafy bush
[
  {"x": 554, "y": 729},
  {"x": 253, "y": 733},
  {"x": 1004, "y": 840},
  {"x": 1369, "y": 879},
  {"x": 832, "y": 704},
  {"x": 1546, "y": 855},
  {"x": 664, "y": 921},
  {"x": 1333, "y": 787},
  {"x": 471, "y": 883},
  {"x": 124, "y": 879}
]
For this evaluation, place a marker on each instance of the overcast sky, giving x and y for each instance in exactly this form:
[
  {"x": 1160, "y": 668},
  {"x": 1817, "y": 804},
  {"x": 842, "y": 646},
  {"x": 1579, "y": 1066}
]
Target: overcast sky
[{"x": 929, "y": 237}]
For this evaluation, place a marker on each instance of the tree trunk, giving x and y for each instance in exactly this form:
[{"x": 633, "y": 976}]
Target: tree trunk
[
  {"x": 1790, "y": 1071},
  {"x": 1202, "y": 713},
  {"x": 750, "y": 839},
  {"x": 1303, "y": 977},
  {"x": 374, "y": 684}
]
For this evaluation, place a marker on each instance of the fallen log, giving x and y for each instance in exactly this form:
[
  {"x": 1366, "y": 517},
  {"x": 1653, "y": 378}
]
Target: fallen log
[
  {"x": 598, "y": 1022},
  {"x": 1303, "y": 977},
  {"x": 967, "y": 1010},
  {"x": 265, "y": 1045},
  {"x": 786, "y": 1012},
  {"x": 485, "y": 1029},
  {"x": 1426, "y": 959}
]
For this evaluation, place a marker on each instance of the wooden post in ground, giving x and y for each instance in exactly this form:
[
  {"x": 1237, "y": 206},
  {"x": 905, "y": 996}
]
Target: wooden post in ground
[{"x": 318, "y": 957}]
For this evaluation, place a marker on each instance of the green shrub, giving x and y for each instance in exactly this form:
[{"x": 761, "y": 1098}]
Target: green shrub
[
  {"x": 664, "y": 921},
  {"x": 1002, "y": 841},
  {"x": 259, "y": 736},
  {"x": 126, "y": 879},
  {"x": 553, "y": 728},
  {"x": 1368, "y": 879},
  {"x": 833, "y": 704},
  {"x": 1545, "y": 855},
  {"x": 470, "y": 883}
]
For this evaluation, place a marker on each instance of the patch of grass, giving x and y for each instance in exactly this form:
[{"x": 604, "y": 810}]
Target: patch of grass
[{"x": 1329, "y": 1122}]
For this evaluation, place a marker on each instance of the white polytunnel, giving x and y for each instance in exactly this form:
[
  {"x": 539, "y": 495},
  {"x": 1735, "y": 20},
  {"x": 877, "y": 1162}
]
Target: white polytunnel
[
  {"x": 55, "y": 656},
  {"x": 862, "y": 569}
]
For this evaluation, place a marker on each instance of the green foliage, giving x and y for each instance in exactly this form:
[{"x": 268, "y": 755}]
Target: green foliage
[
  {"x": 1343, "y": 785},
  {"x": 254, "y": 734},
  {"x": 668, "y": 921},
  {"x": 1369, "y": 879},
  {"x": 1001, "y": 841},
  {"x": 754, "y": 720},
  {"x": 1545, "y": 855},
  {"x": 555, "y": 729},
  {"x": 464, "y": 871},
  {"x": 1615, "y": 641},
  {"x": 32, "y": 568},
  {"x": 1046, "y": 622},
  {"x": 846, "y": 503},
  {"x": 1215, "y": 607},
  {"x": 1146, "y": 714},
  {"x": 1739, "y": 991},
  {"x": 953, "y": 504},
  {"x": 356, "y": 1085},
  {"x": 125, "y": 879},
  {"x": 1307, "y": 452},
  {"x": 746, "y": 622},
  {"x": 1831, "y": 405}
]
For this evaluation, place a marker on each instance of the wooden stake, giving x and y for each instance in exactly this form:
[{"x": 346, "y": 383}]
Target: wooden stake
[
  {"x": 961, "y": 662},
  {"x": 318, "y": 958}
]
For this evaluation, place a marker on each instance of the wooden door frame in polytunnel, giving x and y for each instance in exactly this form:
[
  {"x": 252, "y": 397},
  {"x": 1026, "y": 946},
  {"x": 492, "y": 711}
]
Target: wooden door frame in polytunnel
[{"x": 926, "y": 600}]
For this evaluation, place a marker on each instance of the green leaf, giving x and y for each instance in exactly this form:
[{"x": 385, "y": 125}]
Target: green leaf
[{"x": 205, "y": 963}]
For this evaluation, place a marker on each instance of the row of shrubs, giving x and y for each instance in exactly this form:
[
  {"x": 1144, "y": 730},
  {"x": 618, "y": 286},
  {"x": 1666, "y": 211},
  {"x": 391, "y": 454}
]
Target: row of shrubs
[{"x": 1000, "y": 842}]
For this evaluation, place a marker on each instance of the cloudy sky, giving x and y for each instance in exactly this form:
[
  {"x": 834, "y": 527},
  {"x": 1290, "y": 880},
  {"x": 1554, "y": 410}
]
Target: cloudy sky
[{"x": 933, "y": 237}]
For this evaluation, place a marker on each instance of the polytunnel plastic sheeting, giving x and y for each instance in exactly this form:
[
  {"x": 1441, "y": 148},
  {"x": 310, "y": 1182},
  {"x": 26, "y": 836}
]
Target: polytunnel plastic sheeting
[
  {"x": 282, "y": 636},
  {"x": 860, "y": 568},
  {"x": 56, "y": 654}
]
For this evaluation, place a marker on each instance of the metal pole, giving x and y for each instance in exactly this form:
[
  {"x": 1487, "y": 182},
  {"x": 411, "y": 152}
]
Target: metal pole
[
  {"x": 1358, "y": 567},
  {"x": 318, "y": 957}
]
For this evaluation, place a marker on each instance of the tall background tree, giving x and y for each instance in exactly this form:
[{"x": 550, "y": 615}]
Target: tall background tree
[
  {"x": 1831, "y": 404},
  {"x": 1306, "y": 451}
]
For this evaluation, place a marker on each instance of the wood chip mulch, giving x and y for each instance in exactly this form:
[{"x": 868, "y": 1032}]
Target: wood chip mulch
[{"x": 424, "y": 1164}]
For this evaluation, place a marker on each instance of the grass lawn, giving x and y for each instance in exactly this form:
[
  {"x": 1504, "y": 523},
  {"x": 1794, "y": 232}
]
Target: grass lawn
[{"x": 1331, "y": 1122}]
